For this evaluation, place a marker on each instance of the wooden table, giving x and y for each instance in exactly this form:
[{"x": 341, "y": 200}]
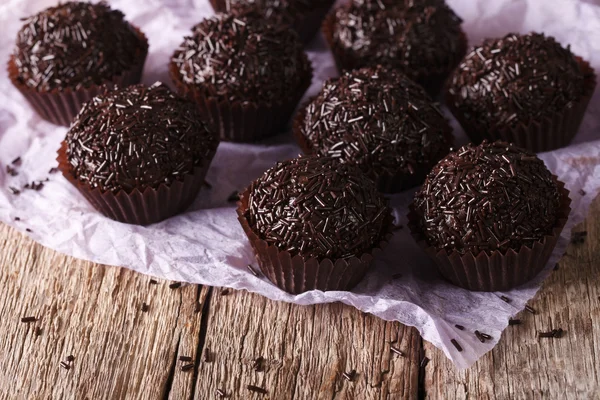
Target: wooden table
[{"x": 125, "y": 349}]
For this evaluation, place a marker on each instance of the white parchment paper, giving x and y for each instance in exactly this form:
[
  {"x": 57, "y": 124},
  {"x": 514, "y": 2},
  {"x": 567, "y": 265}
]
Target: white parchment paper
[{"x": 206, "y": 244}]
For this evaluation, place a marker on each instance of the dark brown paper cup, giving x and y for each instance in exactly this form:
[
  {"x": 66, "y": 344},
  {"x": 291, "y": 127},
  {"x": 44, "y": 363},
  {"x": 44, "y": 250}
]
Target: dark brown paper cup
[
  {"x": 242, "y": 121},
  {"x": 494, "y": 271},
  {"x": 386, "y": 183},
  {"x": 140, "y": 207},
  {"x": 306, "y": 26},
  {"x": 431, "y": 78},
  {"x": 61, "y": 106},
  {"x": 537, "y": 136},
  {"x": 296, "y": 274}
]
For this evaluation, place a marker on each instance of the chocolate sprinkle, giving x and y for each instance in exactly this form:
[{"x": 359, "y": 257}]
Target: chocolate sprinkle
[
  {"x": 17, "y": 161},
  {"x": 65, "y": 365},
  {"x": 252, "y": 270},
  {"x": 220, "y": 393},
  {"x": 145, "y": 307},
  {"x": 137, "y": 137},
  {"x": 187, "y": 367},
  {"x": 514, "y": 80},
  {"x": 14, "y": 191},
  {"x": 514, "y": 322},
  {"x": 257, "y": 363},
  {"x": 485, "y": 336},
  {"x": 53, "y": 170},
  {"x": 582, "y": 192},
  {"x": 415, "y": 37},
  {"x": 257, "y": 389},
  {"x": 554, "y": 333},
  {"x": 480, "y": 336},
  {"x": 505, "y": 299},
  {"x": 317, "y": 208},
  {"x": 494, "y": 196},
  {"x": 74, "y": 45},
  {"x": 378, "y": 120},
  {"x": 455, "y": 343},
  {"x": 185, "y": 358},
  {"x": 242, "y": 58},
  {"x": 349, "y": 376},
  {"x": 153, "y": 282},
  {"x": 38, "y": 331},
  {"x": 460, "y": 327},
  {"x": 175, "y": 285},
  {"x": 11, "y": 171},
  {"x": 206, "y": 356},
  {"x": 17, "y": 219},
  {"x": 530, "y": 309},
  {"x": 397, "y": 351},
  {"x": 28, "y": 319},
  {"x": 70, "y": 358},
  {"x": 424, "y": 362},
  {"x": 224, "y": 292}
]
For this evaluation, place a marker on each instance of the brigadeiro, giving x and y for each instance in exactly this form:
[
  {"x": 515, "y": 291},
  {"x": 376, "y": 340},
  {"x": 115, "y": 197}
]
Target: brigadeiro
[
  {"x": 138, "y": 154},
  {"x": 303, "y": 16},
  {"x": 65, "y": 53},
  {"x": 379, "y": 120},
  {"x": 422, "y": 38},
  {"x": 489, "y": 215},
  {"x": 244, "y": 73},
  {"x": 524, "y": 89},
  {"x": 314, "y": 224}
]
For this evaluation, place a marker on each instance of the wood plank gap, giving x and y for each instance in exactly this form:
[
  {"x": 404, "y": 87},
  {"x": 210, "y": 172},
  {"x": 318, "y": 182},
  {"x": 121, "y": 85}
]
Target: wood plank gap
[{"x": 201, "y": 335}]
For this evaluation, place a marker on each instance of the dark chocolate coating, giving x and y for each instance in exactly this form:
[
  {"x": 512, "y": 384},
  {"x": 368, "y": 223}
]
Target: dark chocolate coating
[
  {"x": 243, "y": 58},
  {"x": 418, "y": 37},
  {"x": 137, "y": 137},
  {"x": 379, "y": 120},
  {"x": 494, "y": 196},
  {"x": 315, "y": 207},
  {"x": 76, "y": 45},
  {"x": 515, "y": 80}
]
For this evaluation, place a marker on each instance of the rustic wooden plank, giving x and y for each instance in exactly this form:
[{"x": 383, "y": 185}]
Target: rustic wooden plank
[
  {"x": 306, "y": 351},
  {"x": 524, "y": 366},
  {"x": 93, "y": 313}
]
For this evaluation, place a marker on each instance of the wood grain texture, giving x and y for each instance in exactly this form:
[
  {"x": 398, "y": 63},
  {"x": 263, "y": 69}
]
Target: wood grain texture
[
  {"x": 95, "y": 313},
  {"x": 523, "y": 366}
]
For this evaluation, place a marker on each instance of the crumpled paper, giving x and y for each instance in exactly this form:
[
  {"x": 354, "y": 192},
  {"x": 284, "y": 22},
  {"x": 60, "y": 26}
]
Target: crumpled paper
[{"x": 206, "y": 245}]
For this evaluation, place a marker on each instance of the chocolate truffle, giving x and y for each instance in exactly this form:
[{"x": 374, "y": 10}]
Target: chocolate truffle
[
  {"x": 505, "y": 85},
  {"x": 315, "y": 208},
  {"x": 75, "y": 45},
  {"x": 422, "y": 38},
  {"x": 379, "y": 120},
  {"x": 138, "y": 141},
  {"x": 304, "y": 16},
  {"x": 494, "y": 196},
  {"x": 241, "y": 62}
]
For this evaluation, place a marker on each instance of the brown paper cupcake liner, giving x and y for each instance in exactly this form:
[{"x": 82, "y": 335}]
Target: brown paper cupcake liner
[
  {"x": 140, "y": 207},
  {"x": 295, "y": 275},
  {"x": 541, "y": 135},
  {"x": 61, "y": 106},
  {"x": 242, "y": 121},
  {"x": 387, "y": 183},
  {"x": 495, "y": 271},
  {"x": 432, "y": 79},
  {"x": 306, "y": 26}
]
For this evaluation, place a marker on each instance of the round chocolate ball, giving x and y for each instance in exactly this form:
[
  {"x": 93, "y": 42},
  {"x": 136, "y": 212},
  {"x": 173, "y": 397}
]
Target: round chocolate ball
[
  {"x": 314, "y": 207},
  {"x": 75, "y": 45},
  {"x": 514, "y": 80},
  {"x": 242, "y": 58},
  {"x": 422, "y": 38},
  {"x": 136, "y": 138},
  {"x": 380, "y": 121},
  {"x": 493, "y": 196}
]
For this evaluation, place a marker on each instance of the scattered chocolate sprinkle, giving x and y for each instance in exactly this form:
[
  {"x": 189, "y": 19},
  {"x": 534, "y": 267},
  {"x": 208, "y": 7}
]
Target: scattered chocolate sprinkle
[
  {"x": 65, "y": 365},
  {"x": 252, "y": 270},
  {"x": 415, "y": 37},
  {"x": 318, "y": 208},
  {"x": 187, "y": 367},
  {"x": 582, "y": 192},
  {"x": 530, "y": 309},
  {"x": 197, "y": 307},
  {"x": 554, "y": 333},
  {"x": 378, "y": 120},
  {"x": 70, "y": 358},
  {"x": 424, "y": 362},
  {"x": 17, "y": 219},
  {"x": 349, "y": 376},
  {"x": 494, "y": 196},
  {"x": 14, "y": 191},
  {"x": 233, "y": 197},
  {"x": 207, "y": 355},
  {"x": 11, "y": 171},
  {"x": 224, "y": 292},
  {"x": 257, "y": 389},
  {"x": 220, "y": 393},
  {"x": 455, "y": 343},
  {"x": 185, "y": 358},
  {"x": 145, "y": 307},
  {"x": 479, "y": 336},
  {"x": 397, "y": 351},
  {"x": 38, "y": 331},
  {"x": 257, "y": 363},
  {"x": 514, "y": 80},
  {"x": 16, "y": 161},
  {"x": 175, "y": 285},
  {"x": 485, "y": 336},
  {"x": 460, "y": 327},
  {"x": 505, "y": 299},
  {"x": 153, "y": 282},
  {"x": 514, "y": 321},
  {"x": 74, "y": 45},
  {"x": 28, "y": 230},
  {"x": 241, "y": 58},
  {"x": 137, "y": 137},
  {"x": 53, "y": 170},
  {"x": 28, "y": 319}
]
